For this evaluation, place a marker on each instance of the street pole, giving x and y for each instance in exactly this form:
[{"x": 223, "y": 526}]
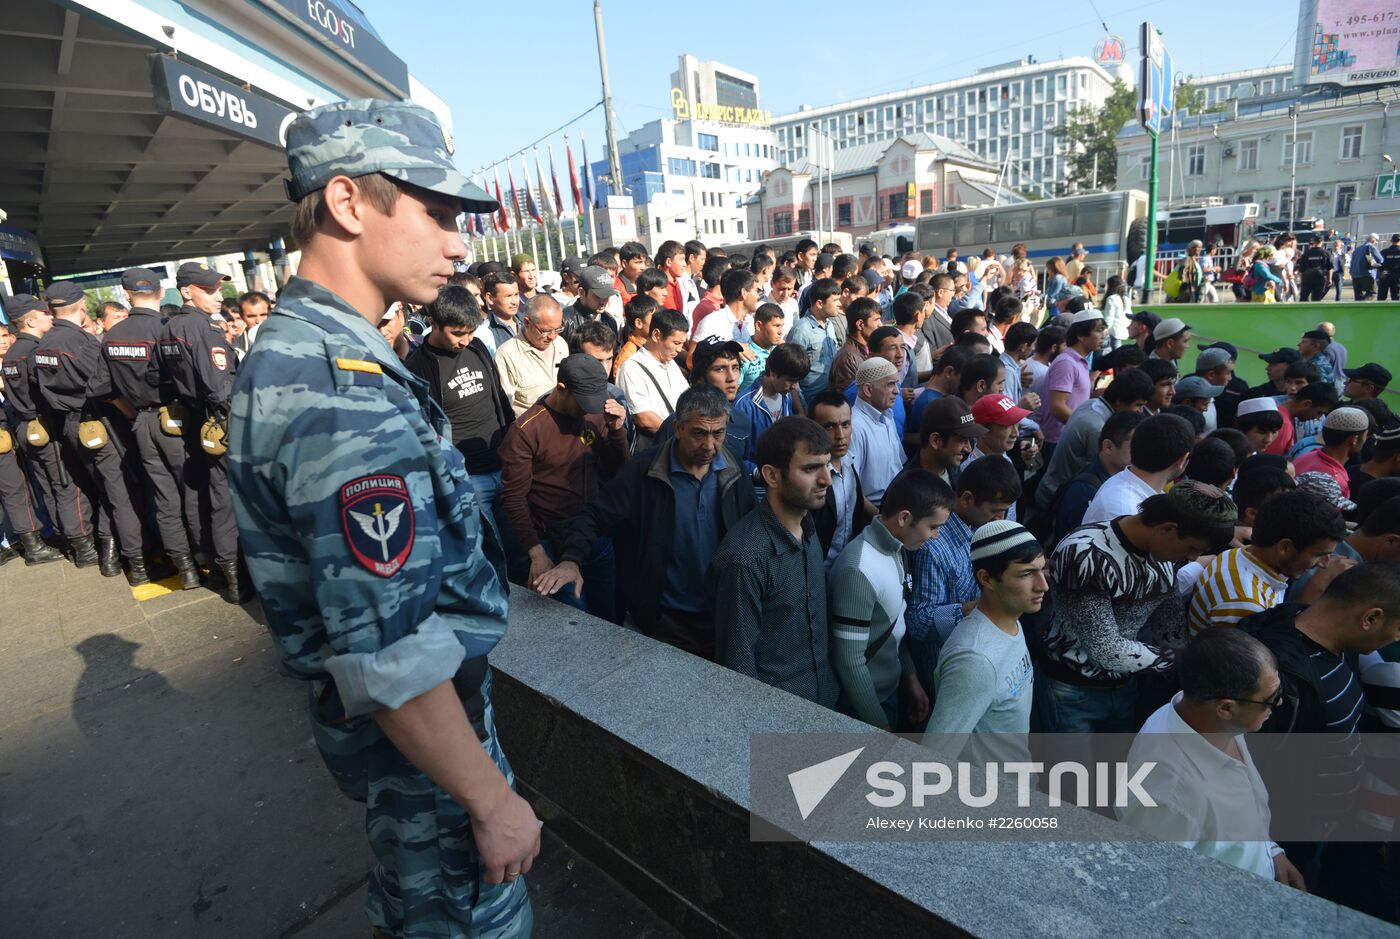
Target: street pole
[
  {"x": 614, "y": 160},
  {"x": 1150, "y": 268},
  {"x": 1293, "y": 174}
]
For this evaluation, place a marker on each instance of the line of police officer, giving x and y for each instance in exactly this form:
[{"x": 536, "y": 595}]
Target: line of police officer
[{"x": 100, "y": 424}]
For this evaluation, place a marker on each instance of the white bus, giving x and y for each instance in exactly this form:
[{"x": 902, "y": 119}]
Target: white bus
[
  {"x": 789, "y": 242},
  {"x": 1103, "y": 221}
]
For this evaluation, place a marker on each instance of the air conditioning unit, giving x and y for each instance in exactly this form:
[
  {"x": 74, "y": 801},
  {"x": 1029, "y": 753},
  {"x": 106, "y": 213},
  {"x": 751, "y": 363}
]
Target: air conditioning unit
[{"x": 1228, "y": 150}]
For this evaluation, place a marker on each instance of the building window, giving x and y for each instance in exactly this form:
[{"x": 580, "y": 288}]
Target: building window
[
  {"x": 1298, "y": 209},
  {"x": 804, "y": 219},
  {"x": 1351, "y": 144},
  {"x": 709, "y": 170},
  {"x": 1303, "y": 143},
  {"x": 707, "y": 141},
  {"x": 1345, "y": 196},
  {"x": 1249, "y": 156},
  {"x": 1038, "y": 91},
  {"x": 1266, "y": 87},
  {"x": 1196, "y": 160},
  {"x": 899, "y": 205},
  {"x": 1244, "y": 198},
  {"x": 782, "y": 223},
  {"x": 1145, "y": 167},
  {"x": 739, "y": 226},
  {"x": 680, "y": 167},
  {"x": 926, "y": 202},
  {"x": 843, "y": 213}
]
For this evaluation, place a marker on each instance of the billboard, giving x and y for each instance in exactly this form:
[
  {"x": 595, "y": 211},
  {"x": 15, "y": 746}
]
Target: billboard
[{"x": 1348, "y": 42}]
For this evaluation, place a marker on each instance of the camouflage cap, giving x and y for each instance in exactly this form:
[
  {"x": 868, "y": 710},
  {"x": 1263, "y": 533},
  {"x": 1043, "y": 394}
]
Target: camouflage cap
[
  {"x": 1203, "y": 503},
  {"x": 397, "y": 138}
]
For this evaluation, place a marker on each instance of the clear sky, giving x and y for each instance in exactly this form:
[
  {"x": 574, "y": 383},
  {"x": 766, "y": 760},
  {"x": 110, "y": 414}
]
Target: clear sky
[{"x": 512, "y": 72}]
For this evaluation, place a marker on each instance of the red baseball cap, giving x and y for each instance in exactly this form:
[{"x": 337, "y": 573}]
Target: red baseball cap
[{"x": 999, "y": 410}]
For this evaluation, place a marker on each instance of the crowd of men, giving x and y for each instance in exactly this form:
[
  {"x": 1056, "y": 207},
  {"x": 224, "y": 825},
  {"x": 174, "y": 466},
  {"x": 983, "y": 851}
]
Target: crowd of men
[{"x": 893, "y": 487}]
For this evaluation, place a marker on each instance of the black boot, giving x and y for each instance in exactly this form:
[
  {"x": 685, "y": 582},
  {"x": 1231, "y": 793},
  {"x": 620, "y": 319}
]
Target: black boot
[
  {"x": 84, "y": 555},
  {"x": 189, "y": 574},
  {"x": 136, "y": 571},
  {"x": 8, "y": 554},
  {"x": 35, "y": 551},
  {"x": 109, "y": 562},
  {"x": 235, "y": 590}
]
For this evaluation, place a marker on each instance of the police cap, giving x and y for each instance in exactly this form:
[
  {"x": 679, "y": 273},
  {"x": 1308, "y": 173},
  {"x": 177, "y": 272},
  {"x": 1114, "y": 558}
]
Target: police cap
[
  {"x": 198, "y": 274},
  {"x": 22, "y": 303},
  {"x": 63, "y": 293},
  {"x": 397, "y": 138},
  {"x": 141, "y": 280}
]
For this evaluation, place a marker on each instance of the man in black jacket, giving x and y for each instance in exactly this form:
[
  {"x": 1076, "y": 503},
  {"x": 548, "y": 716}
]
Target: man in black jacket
[
  {"x": 666, "y": 510},
  {"x": 1317, "y": 648},
  {"x": 461, "y": 377}
]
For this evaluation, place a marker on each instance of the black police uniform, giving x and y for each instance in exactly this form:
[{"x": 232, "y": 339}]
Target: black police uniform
[
  {"x": 73, "y": 380},
  {"x": 1388, "y": 277},
  {"x": 1313, "y": 265},
  {"x": 52, "y": 468},
  {"x": 131, "y": 348},
  {"x": 14, "y": 491},
  {"x": 199, "y": 363}
]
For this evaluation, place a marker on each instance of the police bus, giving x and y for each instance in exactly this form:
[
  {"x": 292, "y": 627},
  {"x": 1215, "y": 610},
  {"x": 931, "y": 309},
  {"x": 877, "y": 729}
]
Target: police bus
[
  {"x": 1103, "y": 221},
  {"x": 1111, "y": 225},
  {"x": 789, "y": 242}
]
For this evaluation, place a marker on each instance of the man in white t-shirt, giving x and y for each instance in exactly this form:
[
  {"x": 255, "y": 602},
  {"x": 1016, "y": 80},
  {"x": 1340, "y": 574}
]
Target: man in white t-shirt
[
  {"x": 651, "y": 379},
  {"x": 1208, "y": 795},
  {"x": 733, "y": 321},
  {"x": 983, "y": 676},
  {"x": 1160, "y": 448}
]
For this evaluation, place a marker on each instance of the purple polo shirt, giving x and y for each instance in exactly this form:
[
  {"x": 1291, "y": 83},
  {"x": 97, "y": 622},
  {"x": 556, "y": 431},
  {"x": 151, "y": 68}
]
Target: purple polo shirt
[{"x": 1069, "y": 372}]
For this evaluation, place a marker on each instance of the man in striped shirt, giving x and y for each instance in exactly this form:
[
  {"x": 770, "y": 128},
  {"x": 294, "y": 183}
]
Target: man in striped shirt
[{"x": 1294, "y": 532}]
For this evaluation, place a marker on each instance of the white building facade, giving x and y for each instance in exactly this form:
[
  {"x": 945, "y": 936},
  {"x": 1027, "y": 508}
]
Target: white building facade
[
  {"x": 689, "y": 175},
  {"x": 1004, "y": 114},
  {"x": 1249, "y": 153}
]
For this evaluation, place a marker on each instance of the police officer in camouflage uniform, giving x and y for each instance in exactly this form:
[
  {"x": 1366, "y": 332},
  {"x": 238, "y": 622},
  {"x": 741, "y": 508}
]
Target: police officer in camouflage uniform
[
  {"x": 131, "y": 348},
  {"x": 30, "y": 318},
  {"x": 381, "y": 578},
  {"x": 74, "y": 382},
  {"x": 196, "y": 357}
]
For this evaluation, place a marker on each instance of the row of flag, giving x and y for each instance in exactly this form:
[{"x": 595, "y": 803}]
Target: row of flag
[{"x": 551, "y": 203}]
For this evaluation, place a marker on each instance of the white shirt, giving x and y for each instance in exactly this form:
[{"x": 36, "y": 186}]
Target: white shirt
[
  {"x": 876, "y": 451},
  {"x": 723, "y": 324},
  {"x": 641, "y": 391},
  {"x": 1206, "y": 800},
  {"x": 1121, "y": 494}
]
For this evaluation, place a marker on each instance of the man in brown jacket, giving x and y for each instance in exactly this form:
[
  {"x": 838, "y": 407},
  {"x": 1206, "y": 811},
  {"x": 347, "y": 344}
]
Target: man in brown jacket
[{"x": 553, "y": 459}]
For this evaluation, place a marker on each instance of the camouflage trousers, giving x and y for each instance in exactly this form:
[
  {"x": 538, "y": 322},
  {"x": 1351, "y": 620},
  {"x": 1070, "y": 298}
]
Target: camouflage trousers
[{"x": 428, "y": 882}]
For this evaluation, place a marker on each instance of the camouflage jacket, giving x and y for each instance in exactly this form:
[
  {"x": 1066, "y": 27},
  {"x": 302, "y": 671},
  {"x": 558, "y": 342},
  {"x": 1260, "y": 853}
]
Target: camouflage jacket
[{"x": 362, "y": 532}]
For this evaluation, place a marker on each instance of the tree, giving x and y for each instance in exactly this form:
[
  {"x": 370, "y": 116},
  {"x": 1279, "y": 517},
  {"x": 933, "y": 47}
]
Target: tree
[
  {"x": 1091, "y": 133},
  {"x": 1189, "y": 98}
]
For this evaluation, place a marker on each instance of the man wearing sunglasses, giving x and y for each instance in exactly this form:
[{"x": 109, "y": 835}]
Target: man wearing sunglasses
[
  {"x": 1320, "y": 650},
  {"x": 1209, "y": 794}
]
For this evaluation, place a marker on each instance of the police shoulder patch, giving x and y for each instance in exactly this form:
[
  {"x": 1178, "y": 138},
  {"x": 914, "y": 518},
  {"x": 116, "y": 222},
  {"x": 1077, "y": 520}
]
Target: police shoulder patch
[{"x": 377, "y": 515}]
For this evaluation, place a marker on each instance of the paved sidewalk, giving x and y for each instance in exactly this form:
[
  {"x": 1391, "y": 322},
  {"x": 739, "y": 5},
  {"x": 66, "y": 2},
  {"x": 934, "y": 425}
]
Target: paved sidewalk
[{"x": 158, "y": 778}]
